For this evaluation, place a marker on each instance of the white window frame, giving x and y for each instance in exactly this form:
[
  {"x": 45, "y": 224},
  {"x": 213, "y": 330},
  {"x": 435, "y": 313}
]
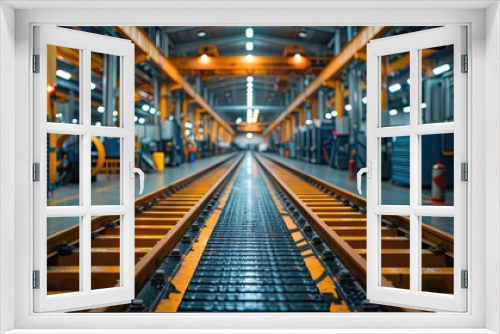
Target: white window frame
[
  {"x": 484, "y": 101},
  {"x": 86, "y": 43},
  {"x": 412, "y": 44}
]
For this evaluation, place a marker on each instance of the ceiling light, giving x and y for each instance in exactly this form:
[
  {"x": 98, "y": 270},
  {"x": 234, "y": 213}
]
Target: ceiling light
[
  {"x": 394, "y": 88},
  {"x": 98, "y": 123},
  {"x": 74, "y": 121},
  {"x": 249, "y": 84},
  {"x": 249, "y": 135},
  {"x": 100, "y": 109},
  {"x": 145, "y": 107},
  {"x": 348, "y": 107},
  {"x": 297, "y": 57},
  {"x": 115, "y": 113},
  {"x": 249, "y": 57},
  {"x": 406, "y": 109},
  {"x": 408, "y": 81},
  {"x": 364, "y": 100},
  {"x": 249, "y": 32},
  {"x": 249, "y": 46},
  {"x": 239, "y": 120},
  {"x": 92, "y": 85},
  {"x": 201, "y": 33},
  {"x": 204, "y": 58},
  {"x": 249, "y": 79},
  {"x": 328, "y": 116},
  {"x": 393, "y": 112},
  {"x": 136, "y": 119},
  {"x": 334, "y": 113},
  {"x": 441, "y": 69},
  {"x": 142, "y": 120},
  {"x": 303, "y": 33},
  {"x": 63, "y": 74},
  {"x": 257, "y": 111},
  {"x": 152, "y": 111},
  {"x": 424, "y": 105},
  {"x": 188, "y": 125}
]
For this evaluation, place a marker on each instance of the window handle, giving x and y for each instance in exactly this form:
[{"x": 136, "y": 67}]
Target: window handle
[
  {"x": 139, "y": 171},
  {"x": 368, "y": 171}
]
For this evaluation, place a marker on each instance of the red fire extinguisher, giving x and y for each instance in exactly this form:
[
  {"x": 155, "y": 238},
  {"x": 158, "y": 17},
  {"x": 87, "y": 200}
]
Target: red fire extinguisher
[
  {"x": 438, "y": 182},
  {"x": 352, "y": 169}
]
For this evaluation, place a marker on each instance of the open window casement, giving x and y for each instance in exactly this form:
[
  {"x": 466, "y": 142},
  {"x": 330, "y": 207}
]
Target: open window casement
[
  {"x": 77, "y": 286},
  {"x": 429, "y": 285}
]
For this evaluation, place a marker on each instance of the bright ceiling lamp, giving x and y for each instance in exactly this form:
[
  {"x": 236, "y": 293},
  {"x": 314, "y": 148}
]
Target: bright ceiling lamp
[
  {"x": 201, "y": 33},
  {"x": 239, "y": 120},
  {"x": 441, "y": 69},
  {"x": 394, "y": 88},
  {"x": 249, "y": 79},
  {"x": 100, "y": 109},
  {"x": 152, "y": 111},
  {"x": 303, "y": 33},
  {"x": 92, "y": 86},
  {"x": 309, "y": 121},
  {"x": 334, "y": 113},
  {"x": 63, "y": 74},
  {"x": 249, "y": 84},
  {"x": 297, "y": 58},
  {"x": 393, "y": 112},
  {"x": 249, "y": 32},
  {"x": 142, "y": 120},
  {"x": 249, "y": 135},
  {"x": 348, "y": 107},
  {"x": 328, "y": 115},
  {"x": 249, "y": 57},
  {"x": 406, "y": 109},
  {"x": 204, "y": 58},
  {"x": 98, "y": 123},
  {"x": 424, "y": 105},
  {"x": 145, "y": 107},
  {"x": 249, "y": 46}
]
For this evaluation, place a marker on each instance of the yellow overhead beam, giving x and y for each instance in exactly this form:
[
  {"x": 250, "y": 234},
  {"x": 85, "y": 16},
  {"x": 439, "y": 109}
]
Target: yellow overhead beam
[
  {"x": 346, "y": 55},
  {"x": 146, "y": 45}
]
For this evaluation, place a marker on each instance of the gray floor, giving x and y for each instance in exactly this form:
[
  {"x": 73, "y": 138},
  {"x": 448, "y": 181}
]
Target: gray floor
[
  {"x": 392, "y": 194},
  {"x": 106, "y": 190}
]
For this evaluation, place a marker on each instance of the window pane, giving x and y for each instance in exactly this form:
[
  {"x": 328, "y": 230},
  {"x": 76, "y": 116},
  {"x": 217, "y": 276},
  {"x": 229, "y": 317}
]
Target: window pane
[
  {"x": 63, "y": 256},
  {"x": 63, "y": 170},
  {"x": 395, "y": 252},
  {"x": 437, "y": 255},
  {"x": 437, "y": 85},
  {"x": 106, "y": 246},
  {"x": 395, "y": 94},
  {"x": 437, "y": 169},
  {"x": 105, "y": 89},
  {"x": 63, "y": 84},
  {"x": 106, "y": 171},
  {"x": 395, "y": 167}
]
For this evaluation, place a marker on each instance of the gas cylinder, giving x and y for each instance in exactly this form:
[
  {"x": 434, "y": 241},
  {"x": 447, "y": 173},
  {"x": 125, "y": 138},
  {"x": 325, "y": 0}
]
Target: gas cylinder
[
  {"x": 438, "y": 182},
  {"x": 352, "y": 169}
]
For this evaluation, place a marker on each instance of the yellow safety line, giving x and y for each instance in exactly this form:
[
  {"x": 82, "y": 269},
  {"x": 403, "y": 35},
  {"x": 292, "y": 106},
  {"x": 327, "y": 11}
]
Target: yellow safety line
[
  {"x": 315, "y": 267},
  {"x": 100, "y": 190},
  {"x": 189, "y": 263}
]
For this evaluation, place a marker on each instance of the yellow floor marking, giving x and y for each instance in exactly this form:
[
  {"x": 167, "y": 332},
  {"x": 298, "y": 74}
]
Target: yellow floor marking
[
  {"x": 183, "y": 276},
  {"x": 76, "y": 196},
  {"x": 326, "y": 285}
]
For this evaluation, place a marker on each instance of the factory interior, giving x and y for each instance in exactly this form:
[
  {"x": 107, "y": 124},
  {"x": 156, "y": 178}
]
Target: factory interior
[{"x": 250, "y": 139}]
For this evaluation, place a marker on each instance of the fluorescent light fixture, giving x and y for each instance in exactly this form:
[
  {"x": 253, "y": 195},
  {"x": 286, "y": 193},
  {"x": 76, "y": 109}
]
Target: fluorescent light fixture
[
  {"x": 98, "y": 123},
  {"x": 249, "y": 135},
  {"x": 136, "y": 118},
  {"x": 441, "y": 69},
  {"x": 348, "y": 107},
  {"x": 364, "y": 100},
  {"x": 145, "y": 107},
  {"x": 249, "y": 46},
  {"x": 239, "y": 120},
  {"x": 394, "y": 88},
  {"x": 63, "y": 74},
  {"x": 249, "y": 79},
  {"x": 188, "y": 125},
  {"x": 249, "y": 84},
  {"x": 249, "y": 32},
  {"x": 115, "y": 113},
  {"x": 424, "y": 105},
  {"x": 142, "y": 120},
  {"x": 406, "y": 109},
  {"x": 309, "y": 121},
  {"x": 334, "y": 113},
  {"x": 92, "y": 86},
  {"x": 303, "y": 33},
  {"x": 100, "y": 109},
  {"x": 152, "y": 111},
  {"x": 328, "y": 115},
  {"x": 59, "y": 115},
  {"x": 201, "y": 33},
  {"x": 74, "y": 121},
  {"x": 393, "y": 112},
  {"x": 408, "y": 81}
]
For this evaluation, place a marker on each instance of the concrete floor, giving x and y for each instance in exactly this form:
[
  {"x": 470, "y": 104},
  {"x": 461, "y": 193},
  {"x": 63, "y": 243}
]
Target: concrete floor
[
  {"x": 106, "y": 190},
  {"x": 392, "y": 194}
]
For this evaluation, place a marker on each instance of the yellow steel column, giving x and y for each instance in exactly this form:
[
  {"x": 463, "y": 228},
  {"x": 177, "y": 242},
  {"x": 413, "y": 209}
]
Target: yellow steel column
[
  {"x": 196, "y": 122},
  {"x": 314, "y": 108},
  {"x": 302, "y": 115},
  {"x": 163, "y": 101},
  {"x": 339, "y": 99},
  {"x": 52, "y": 110}
]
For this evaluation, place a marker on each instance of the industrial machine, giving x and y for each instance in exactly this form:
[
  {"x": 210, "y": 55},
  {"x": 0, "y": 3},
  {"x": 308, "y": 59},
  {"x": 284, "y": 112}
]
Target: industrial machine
[
  {"x": 171, "y": 138},
  {"x": 321, "y": 136}
]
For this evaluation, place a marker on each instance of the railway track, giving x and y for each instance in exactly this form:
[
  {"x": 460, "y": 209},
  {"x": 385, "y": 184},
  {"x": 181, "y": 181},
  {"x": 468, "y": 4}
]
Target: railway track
[
  {"x": 162, "y": 219},
  {"x": 339, "y": 218}
]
